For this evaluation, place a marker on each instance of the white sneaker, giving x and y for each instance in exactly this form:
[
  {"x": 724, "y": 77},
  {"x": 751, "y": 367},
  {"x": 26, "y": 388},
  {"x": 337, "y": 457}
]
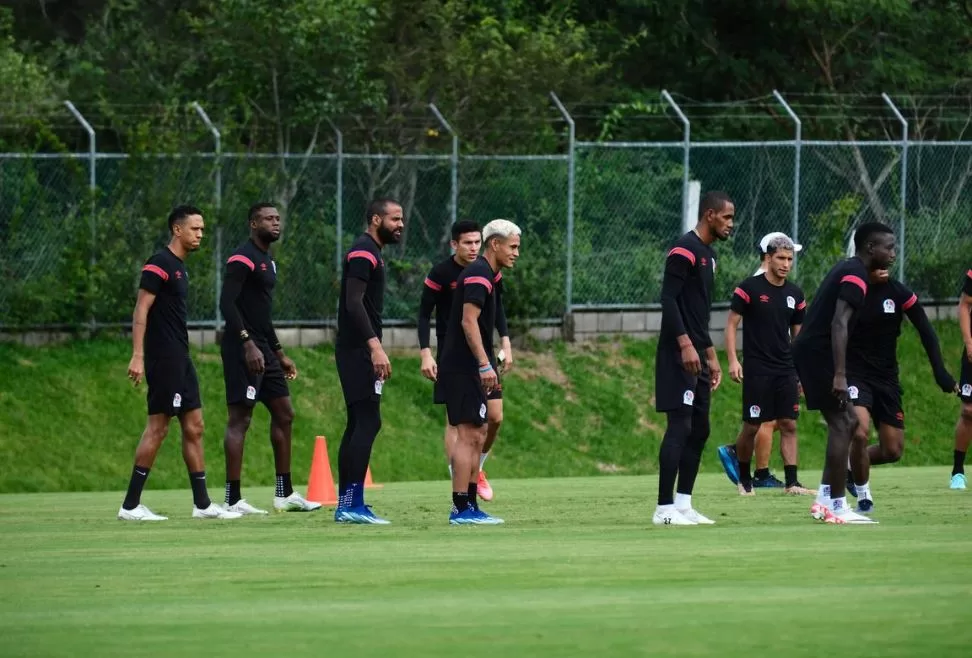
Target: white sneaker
[
  {"x": 668, "y": 515},
  {"x": 695, "y": 517},
  {"x": 214, "y": 511},
  {"x": 245, "y": 508},
  {"x": 140, "y": 513},
  {"x": 294, "y": 503},
  {"x": 848, "y": 516}
]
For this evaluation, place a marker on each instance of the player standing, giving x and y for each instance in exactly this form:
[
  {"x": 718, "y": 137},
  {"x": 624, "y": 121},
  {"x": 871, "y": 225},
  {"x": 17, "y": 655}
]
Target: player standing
[
  {"x": 437, "y": 292},
  {"x": 362, "y": 364},
  {"x": 820, "y": 355},
  {"x": 773, "y": 309},
  {"x": 683, "y": 381},
  {"x": 255, "y": 367},
  {"x": 963, "y": 428},
  {"x": 467, "y": 370},
  {"x": 160, "y": 353},
  {"x": 873, "y": 386}
]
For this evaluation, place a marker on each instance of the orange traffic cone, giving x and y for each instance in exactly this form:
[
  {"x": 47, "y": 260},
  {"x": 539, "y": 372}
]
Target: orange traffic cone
[
  {"x": 369, "y": 483},
  {"x": 320, "y": 487}
]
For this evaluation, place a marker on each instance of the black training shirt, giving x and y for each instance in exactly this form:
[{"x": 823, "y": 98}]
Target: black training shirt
[
  {"x": 768, "y": 312},
  {"x": 166, "y": 334}
]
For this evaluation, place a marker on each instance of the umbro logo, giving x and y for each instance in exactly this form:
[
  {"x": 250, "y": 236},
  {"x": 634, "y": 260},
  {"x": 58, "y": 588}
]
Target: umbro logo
[
  {"x": 764, "y": 299},
  {"x": 178, "y": 274},
  {"x": 263, "y": 267}
]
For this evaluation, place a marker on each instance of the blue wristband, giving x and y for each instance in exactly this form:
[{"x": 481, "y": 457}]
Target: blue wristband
[{"x": 486, "y": 368}]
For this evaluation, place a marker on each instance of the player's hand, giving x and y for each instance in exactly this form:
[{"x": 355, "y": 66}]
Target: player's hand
[
  {"x": 430, "y": 369},
  {"x": 289, "y": 367},
  {"x": 254, "y": 358},
  {"x": 839, "y": 390},
  {"x": 381, "y": 363},
  {"x": 488, "y": 378},
  {"x": 715, "y": 373},
  {"x": 506, "y": 363},
  {"x": 136, "y": 369},
  {"x": 690, "y": 360},
  {"x": 735, "y": 371}
]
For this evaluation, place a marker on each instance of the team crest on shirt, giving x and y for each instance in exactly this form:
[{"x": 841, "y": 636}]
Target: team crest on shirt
[
  {"x": 688, "y": 397},
  {"x": 966, "y": 390},
  {"x": 790, "y": 302},
  {"x": 889, "y": 306},
  {"x": 250, "y": 393},
  {"x": 378, "y": 386},
  {"x": 853, "y": 392},
  {"x": 754, "y": 411},
  {"x": 176, "y": 401},
  {"x": 482, "y": 411}
]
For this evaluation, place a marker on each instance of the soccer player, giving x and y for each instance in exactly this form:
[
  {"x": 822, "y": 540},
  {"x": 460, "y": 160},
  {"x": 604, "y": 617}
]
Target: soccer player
[
  {"x": 160, "y": 354},
  {"x": 820, "y": 355},
  {"x": 437, "y": 294},
  {"x": 255, "y": 367},
  {"x": 762, "y": 478},
  {"x": 683, "y": 381},
  {"x": 873, "y": 386},
  {"x": 773, "y": 309},
  {"x": 467, "y": 369},
  {"x": 362, "y": 365},
  {"x": 963, "y": 428}
]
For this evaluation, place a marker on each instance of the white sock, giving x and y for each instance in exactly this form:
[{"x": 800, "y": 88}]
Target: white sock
[
  {"x": 823, "y": 494},
  {"x": 482, "y": 459},
  {"x": 665, "y": 508},
  {"x": 864, "y": 491},
  {"x": 683, "y": 501},
  {"x": 838, "y": 505}
]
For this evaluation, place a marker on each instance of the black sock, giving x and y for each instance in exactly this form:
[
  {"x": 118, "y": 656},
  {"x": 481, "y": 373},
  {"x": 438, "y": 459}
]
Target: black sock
[
  {"x": 233, "y": 494},
  {"x": 472, "y": 493},
  {"x": 761, "y": 474},
  {"x": 134, "y": 495},
  {"x": 959, "y": 462},
  {"x": 744, "y": 475},
  {"x": 460, "y": 500},
  {"x": 284, "y": 487},
  {"x": 790, "y": 475},
  {"x": 200, "y": 497}
]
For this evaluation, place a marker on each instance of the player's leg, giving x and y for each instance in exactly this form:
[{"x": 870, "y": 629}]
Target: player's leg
[
  {"x": 841, "y": 424},
  {"x": 677, "y": 431},
  {"x": 285, "y": 499},
  {"x": 786, "y": 407},
  {"x": 237, "y": 424},
  {"x": 192, "y": 453},
  {"x": 355, "y": 455},
  {"x": 963, "y": 437},
  {"x": 494, "y": 420},
  {"x": 449, "y": 438},
  {"x": 745, "y": 447},
  {"x": 153, "y": 435},
  {"x": 465, "y": 459},
  {"x": 764, "y": 445},
  {"x": 688, "y": 467}
]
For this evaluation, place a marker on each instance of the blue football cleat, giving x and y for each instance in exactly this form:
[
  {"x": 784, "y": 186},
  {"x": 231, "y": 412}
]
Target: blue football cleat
[
  {"x": 768, "y": 482},
  {"x": 865, "y": 505},
  {"x": 361, "y": 515},
  {"x": 486, "y": 519},
  {"x": 730, "y": 463},
  {"x": 468, "y": 516}
]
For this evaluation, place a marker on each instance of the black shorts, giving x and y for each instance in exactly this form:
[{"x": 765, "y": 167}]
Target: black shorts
[
  {"x": 243, "y": 387},
  {"x": 676, "y": 389},
  {"x": 882, "y": 400},
  {"x": 173, "y": 388},
  {"x": 439, "y": 393},
  {"x": 465, "y": 398},
  {"x": 816, "y": 372},
  {"x": 770, "y": 397},
  {"x": 357, "y": 375},
  {"x": 965, "y": 380}
]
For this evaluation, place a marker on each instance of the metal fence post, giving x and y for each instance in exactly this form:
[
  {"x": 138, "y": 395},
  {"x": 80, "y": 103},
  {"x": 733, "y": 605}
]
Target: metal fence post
[
  {"x": 904, "y": 185},
  {"x": 571, "y": 166},
  {"x": 339, "y": 199},
  {"x": 92, "y": 186},
  {"x": 687, "y": 141},
  {"x": 453, "y": 211},
  {"x": 797, "y": 148},
  {"x": 218, "y": 202}
]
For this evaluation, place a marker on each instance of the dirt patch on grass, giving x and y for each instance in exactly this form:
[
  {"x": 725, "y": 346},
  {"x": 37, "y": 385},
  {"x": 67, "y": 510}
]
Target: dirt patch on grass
[{"x": 543, "y": 365}]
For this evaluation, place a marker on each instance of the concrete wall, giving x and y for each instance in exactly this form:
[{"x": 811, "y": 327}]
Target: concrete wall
[{"x": 580, "y": 326}]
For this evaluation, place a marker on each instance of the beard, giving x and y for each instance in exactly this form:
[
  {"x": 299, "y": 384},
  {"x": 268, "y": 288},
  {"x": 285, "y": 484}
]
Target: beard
[
  {"x": 387, "y": 236},
  {"x": 268, "y": 236}
]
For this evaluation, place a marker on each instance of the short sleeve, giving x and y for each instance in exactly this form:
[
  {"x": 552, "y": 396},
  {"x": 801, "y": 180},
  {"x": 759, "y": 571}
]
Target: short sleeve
[
  {"x": 154, "y": 276},
  {"x": 906, "y": 298},
  {"x": 239, "y": 266},
  {"x": 740, "y": 299},
  {"x": 967, "y": 283},
  {"x": 800, "y": 309},
  {"x": 679, "y": 261},
  {"x": 434, "y": 281},
  {"x": 852, "y": 290},
  {"x": 475, "y": 289},
  {"x": 361, "y": 263}
]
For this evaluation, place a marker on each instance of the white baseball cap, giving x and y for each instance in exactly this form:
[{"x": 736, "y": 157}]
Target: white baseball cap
[{"x": 764, "y": 243}]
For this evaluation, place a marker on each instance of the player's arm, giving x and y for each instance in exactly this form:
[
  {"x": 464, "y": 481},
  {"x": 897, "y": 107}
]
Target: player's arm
[
  {"x": 799, "y": 315},
  {"x": 503, "y": 328},
  {"x": 929, "y": 340},
  {"x": 354, "y": 302},
  {"x": 237, "y": 269},
  {"x": 732, "y": 326},
  {"x": 839, "y": 335},
  {"x": 678, "y": 264},
  {"x": 136, "y": 366},
  {"x": 470, "y": 328},
  {"x": 286, "y": 363},
  {"x": 430, "y": 293},
  {"x": 965, "y": 315}
]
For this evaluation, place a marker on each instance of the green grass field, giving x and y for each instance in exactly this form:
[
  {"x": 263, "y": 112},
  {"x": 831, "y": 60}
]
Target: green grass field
[
  {"x": 69, "y": 419},
  {"x": 577, "y": 570}
]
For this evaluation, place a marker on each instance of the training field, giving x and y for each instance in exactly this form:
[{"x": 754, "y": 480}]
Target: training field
[{"x": 577, "y": 570}]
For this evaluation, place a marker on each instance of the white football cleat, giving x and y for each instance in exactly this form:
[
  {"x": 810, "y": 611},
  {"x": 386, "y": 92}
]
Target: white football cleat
[
  {"x": 245, "y": 508},
  {"x": 819, "y": 511},
  {"x": 140, "y": 513},
  {"x": 695, "y": 517},
  {"x": 294, "y": 503},
  {"x": 668, "y": 515},
  {"x": 214, "y": 511},
  {"x": 850, "y": 517}
]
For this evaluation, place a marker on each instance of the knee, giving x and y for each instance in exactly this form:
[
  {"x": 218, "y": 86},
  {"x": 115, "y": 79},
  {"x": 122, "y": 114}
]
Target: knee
[
  {"x": 239, "y": 423},
  {"x": 893, "y": 453},
  {"x": 284, "y": 416},
  {"x": 700, "y": 429},
  {"x": 156, "y": 432},
  {"x": 192, "y": 430},
  {"x": 860, "y": 434},
  {"x": 495, "y": 417},
  {"x": 787, "y": 426},
  {"x": 966, "y": 414}
]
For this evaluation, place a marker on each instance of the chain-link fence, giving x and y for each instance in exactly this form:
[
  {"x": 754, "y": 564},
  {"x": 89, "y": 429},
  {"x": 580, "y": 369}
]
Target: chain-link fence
[{"x": 70, "y": 256}]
